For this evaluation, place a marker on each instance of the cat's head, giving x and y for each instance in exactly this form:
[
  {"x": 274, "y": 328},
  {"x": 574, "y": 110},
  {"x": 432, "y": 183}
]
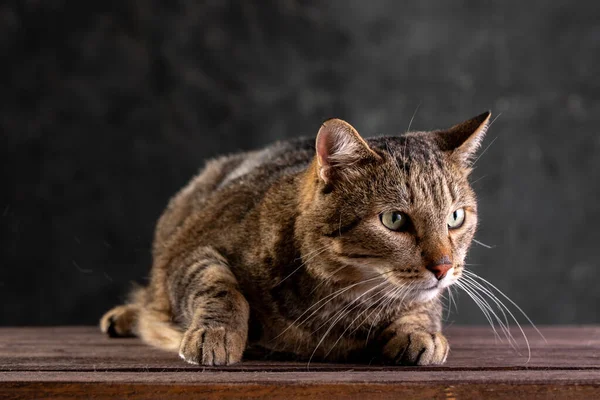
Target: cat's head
[{"x": 397, "y": 211}]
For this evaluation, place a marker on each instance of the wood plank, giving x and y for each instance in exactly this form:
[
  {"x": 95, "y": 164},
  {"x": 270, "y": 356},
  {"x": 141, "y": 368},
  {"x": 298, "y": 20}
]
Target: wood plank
[
  {"x": 85, "y": 349},
  {"x": 73, "y": 362},
  {"x": 296, "y": 391},
  {"x": 292, "y": 385},
  {"x": 211, "y": 376}
]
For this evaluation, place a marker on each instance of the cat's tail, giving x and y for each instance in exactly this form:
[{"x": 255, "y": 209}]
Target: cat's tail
[{"x": 137, "y": 319}]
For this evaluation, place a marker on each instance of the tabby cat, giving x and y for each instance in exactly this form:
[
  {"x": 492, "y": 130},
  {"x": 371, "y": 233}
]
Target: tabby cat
[{"x": 338, "y": 251}]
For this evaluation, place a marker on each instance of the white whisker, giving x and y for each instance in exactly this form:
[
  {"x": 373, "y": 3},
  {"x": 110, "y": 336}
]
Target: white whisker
[
  {"x": 353, "y": 321},
  {"x": 504, "y": 325},
  {"x": 303, "y": 264},
  {"x": 310, "y": 253},
  {"x": 501, "y": 306},
  {"x": 381, "y": 307},
  {"x": 478, "y": 179},
  {"x": 483, "y": 152},
  {"x": 327, "y": 299},
  {"x": 474, "y": 275},
  {"x": 449, "y": 301},
  {"x": 413, "y": 117},
  {"x": 347, "y": 306},
  {"x": 494, "y": 120},
  {"x": 336, "y": 318},
  {"x": 487, "y": 246},
  {"x": 387, "y": 303},
  {"x": 484, "y": 309},
  {"x": 330, "y": 297},
  {"x": 328, "y": 278},
  {"x": 385, "y": 298}
]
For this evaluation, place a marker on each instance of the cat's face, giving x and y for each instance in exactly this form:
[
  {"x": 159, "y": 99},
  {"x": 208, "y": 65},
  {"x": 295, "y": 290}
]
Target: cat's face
[{"x": 397, "y": 211}]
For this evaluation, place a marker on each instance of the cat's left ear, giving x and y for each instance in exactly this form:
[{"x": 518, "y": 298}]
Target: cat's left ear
[{"x": 463, "y": 140}]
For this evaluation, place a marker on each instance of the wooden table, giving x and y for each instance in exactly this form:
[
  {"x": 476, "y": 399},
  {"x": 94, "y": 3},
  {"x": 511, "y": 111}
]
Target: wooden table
[{"x": 69, "y": 362}]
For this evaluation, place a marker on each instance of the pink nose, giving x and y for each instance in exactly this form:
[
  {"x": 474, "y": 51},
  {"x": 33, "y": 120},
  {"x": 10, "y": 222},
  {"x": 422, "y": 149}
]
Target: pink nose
[{"x": 439, "y": 270}]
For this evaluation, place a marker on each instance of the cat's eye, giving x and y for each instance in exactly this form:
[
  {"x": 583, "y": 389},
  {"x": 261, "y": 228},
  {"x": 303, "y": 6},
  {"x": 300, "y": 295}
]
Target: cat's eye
[
  {"x": 456, "y": 219},
  {"x": 394, "y": 220}
]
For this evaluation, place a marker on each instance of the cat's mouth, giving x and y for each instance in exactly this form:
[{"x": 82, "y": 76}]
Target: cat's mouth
[
  {"x": 433, "y": 287},
  {"x": 426, "y": 291},
  {"x": 429, "y": 287}
]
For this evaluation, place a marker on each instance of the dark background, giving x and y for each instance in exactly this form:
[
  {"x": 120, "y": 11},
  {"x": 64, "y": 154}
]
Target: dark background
[{"x": 108, "y": 107}]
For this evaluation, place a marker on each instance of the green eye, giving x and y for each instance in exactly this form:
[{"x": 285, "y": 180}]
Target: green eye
[
  {"x": 394, "y": 220},
  {"x": 456, "y": 218}
]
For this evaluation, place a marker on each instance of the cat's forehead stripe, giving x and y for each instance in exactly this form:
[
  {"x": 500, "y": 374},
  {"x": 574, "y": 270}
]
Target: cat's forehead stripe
[{"x": 425, "y": 176}]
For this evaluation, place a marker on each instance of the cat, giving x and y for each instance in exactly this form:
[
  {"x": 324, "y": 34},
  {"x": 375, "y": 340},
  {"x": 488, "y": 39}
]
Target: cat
[{"x": 337, "y": 251}]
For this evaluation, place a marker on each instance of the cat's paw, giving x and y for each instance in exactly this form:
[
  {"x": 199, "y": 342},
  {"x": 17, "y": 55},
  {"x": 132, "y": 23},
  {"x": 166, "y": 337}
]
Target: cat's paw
[
  {"x": 212, "y": 346},
  {"x": 119, "y": 321},
  {"x": 417, "y": 348}
]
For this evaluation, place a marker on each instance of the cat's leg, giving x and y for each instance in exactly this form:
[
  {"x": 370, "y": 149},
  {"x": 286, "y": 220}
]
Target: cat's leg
[
  {"x": 206, "y": 298},
  {"x": 415, "y": 339}
]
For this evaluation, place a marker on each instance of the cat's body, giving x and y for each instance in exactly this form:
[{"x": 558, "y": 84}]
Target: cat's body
[{"x": 287, "y": 250}]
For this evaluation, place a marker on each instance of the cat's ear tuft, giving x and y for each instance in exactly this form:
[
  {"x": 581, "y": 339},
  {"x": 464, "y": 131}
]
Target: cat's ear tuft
[
  {"x": 463, "y": 140},
  {"x": 339, "y": 147}
]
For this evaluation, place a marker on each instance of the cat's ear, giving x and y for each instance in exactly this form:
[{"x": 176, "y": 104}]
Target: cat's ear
[
  {"x": 340, "y": 148},
  {"x": 463, "y": 140}
]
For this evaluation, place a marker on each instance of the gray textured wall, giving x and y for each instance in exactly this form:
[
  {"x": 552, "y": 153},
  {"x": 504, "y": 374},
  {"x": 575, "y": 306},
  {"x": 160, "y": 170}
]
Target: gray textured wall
[{"x": 107, "y": 108}]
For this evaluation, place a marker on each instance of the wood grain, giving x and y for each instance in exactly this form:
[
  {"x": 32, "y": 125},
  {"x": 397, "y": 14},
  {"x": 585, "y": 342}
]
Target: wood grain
[{"x": 72, "y": 362}]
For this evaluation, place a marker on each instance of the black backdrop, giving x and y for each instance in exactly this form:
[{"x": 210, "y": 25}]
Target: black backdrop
[{"x": 108, "y": 107}]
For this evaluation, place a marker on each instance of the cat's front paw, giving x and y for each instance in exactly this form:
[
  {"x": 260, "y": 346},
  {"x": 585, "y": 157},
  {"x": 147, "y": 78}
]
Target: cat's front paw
[
  {"x": 212, "y": 346},
  {"x": 416, "y": 348}
]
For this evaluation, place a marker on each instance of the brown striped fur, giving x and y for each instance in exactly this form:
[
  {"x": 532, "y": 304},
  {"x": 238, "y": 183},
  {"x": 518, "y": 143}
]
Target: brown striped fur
[{"x": 283, "y": 249}]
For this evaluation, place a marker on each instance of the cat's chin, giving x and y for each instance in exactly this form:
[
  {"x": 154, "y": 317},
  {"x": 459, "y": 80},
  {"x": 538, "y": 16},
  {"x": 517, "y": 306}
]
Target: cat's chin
[
  {"x": 427, "y": 294},
  {"x": 423, "y": 293}
]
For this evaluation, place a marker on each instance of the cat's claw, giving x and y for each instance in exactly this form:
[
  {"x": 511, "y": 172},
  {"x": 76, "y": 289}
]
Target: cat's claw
[
  {"x": 212, "y": 346},
  {"x": 417, "y": 348}
]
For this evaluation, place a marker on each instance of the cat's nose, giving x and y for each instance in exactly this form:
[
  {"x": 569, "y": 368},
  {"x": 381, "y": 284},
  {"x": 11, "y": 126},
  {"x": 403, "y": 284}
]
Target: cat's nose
[{"x": 440, "y": 267}]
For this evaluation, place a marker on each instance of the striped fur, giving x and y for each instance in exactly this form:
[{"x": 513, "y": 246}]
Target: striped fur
[{"x": 283, "y": 249}]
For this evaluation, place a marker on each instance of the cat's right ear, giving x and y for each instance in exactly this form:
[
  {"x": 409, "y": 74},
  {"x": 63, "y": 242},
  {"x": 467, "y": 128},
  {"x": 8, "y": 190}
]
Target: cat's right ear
[
  {"x": 462, "y": 140},
  {"x": 339, "y": 148}
]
